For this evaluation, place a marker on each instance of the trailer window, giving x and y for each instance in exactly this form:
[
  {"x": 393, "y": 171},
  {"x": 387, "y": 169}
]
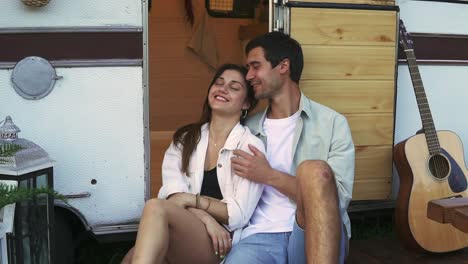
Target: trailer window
[{"x": 231, "y": 8}]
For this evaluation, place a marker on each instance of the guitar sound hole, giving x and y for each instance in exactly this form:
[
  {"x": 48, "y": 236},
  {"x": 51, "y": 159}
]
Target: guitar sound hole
[{"x": 439, "y": 166}]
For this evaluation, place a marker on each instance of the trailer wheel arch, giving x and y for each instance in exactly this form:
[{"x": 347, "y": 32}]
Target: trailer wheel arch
[
  {"x": 71, "y": 229},
  {"x": 72, "y": 213}
]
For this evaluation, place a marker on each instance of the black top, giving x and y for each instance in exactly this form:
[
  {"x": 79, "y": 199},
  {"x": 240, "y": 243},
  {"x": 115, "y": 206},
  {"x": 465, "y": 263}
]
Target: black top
[{"x": 210, "y": 185}]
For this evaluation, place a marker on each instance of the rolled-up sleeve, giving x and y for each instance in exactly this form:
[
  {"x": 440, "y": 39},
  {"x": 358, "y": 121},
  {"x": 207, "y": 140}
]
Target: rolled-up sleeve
[
  {"x": 341, "y": 160},
  {"x": 242, "y": 204},
  {"x": 173, "y": 180}
]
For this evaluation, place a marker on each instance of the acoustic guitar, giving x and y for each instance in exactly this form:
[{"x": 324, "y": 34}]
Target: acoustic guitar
[{"x": 431, "y": 166}]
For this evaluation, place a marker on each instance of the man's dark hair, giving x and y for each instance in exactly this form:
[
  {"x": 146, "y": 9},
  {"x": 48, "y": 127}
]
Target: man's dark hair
[{"x": 278, "y": 46}]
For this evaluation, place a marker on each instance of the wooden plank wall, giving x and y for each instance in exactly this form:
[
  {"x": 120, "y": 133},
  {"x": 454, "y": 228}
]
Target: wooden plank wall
[
  {"x": 178, "y": 78},
  {"x": 350, "y": 67}
]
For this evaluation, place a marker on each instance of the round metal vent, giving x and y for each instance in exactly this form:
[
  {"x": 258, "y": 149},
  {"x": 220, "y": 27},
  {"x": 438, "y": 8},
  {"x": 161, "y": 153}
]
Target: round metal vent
[{"x": 34, "y": 78}]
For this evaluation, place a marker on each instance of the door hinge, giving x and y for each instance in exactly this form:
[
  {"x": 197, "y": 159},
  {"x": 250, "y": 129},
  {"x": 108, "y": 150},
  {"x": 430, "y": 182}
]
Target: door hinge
[
  {"x": 281, "y": 18},
  {"x": 279, "y": 23}
]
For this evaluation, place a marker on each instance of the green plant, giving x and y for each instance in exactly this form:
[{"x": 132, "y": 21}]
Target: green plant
[
  {"x": 12, "y": 194},
  {"x": 8, "y": 150}
]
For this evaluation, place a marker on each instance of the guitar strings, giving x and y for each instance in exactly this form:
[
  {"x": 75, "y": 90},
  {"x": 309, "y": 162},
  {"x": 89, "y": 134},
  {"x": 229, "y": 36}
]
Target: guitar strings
[{"x": 439, "y": 164}]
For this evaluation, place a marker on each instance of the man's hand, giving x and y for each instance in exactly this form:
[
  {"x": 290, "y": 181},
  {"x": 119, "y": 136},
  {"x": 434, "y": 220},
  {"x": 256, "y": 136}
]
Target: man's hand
[{"x": 252, "y": 167}]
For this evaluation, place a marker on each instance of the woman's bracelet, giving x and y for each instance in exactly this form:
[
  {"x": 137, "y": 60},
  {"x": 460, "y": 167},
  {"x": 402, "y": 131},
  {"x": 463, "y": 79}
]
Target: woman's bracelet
[
  {"x": 209, "y": 203},
  {"x": 197, "y": 201}
]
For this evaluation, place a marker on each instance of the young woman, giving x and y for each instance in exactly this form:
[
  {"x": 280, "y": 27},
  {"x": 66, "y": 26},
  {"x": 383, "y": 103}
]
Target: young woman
[{"x": 201, "y": 201}]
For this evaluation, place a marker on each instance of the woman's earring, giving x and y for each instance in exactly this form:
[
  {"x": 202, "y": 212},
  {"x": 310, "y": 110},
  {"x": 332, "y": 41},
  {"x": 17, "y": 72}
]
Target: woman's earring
[{"x": 244, "y": 113}]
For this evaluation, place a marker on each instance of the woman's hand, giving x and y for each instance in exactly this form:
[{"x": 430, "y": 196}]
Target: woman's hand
[
  {"x": 183, "y": 200},
  {"x": 220, "y": 237}
]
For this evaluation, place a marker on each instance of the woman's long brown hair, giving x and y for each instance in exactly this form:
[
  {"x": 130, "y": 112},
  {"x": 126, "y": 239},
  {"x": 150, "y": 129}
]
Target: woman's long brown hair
[{"x": 188, "y": 136}]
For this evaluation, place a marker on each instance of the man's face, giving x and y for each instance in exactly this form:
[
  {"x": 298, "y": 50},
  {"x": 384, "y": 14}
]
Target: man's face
[{"x": 264, "y": 79}]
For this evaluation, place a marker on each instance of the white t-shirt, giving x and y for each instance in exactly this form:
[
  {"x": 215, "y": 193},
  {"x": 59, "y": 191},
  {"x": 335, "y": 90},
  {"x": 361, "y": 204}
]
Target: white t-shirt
[{"x": 275, "y": 212}]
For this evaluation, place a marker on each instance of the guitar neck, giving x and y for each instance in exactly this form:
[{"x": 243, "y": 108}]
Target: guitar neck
[{"x": 423, "y": 105}]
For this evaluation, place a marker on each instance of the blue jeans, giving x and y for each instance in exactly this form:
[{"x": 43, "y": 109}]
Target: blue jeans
[
  {"x": 261, "y": 248},
  {"x": 275, "y": 248}
]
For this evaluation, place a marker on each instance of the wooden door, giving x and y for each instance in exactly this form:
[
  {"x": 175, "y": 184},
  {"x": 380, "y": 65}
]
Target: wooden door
[{"x": 349, "y": 65}]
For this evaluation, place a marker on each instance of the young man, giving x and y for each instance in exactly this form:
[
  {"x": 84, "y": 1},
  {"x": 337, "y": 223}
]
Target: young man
[{"x": 308, "y": 170}]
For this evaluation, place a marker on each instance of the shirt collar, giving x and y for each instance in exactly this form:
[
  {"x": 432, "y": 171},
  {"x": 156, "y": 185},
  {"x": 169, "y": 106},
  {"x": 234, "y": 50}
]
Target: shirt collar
[
  {"x": 233, "y": 139},
  {"x": 302, "y": 108}
]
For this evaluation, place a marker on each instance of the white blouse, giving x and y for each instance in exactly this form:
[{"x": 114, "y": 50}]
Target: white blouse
[{"x": 240, "y": 195}]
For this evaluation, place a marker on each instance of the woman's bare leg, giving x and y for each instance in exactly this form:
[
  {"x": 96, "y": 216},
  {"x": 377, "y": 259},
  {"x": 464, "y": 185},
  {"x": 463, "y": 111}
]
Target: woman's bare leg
[
  {"x": 169, "y": 232},
  {"x": 128, "y": 257},
  {"x": 153, "y": 234}
]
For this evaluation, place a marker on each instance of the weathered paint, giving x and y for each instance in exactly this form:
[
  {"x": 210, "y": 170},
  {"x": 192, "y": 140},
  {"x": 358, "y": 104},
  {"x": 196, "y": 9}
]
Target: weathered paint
[
  {"x": 82, "y": 13},
  {"x": 91, "y": 124}
]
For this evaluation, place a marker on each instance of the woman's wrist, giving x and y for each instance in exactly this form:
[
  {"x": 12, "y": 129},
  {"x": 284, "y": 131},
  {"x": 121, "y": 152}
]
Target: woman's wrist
[
  {"x": 207, "y": 218},
  {"x": 207, "y": 206},
  {"x": 197, "y": 201},
  {"x": 202, "y": 215}
]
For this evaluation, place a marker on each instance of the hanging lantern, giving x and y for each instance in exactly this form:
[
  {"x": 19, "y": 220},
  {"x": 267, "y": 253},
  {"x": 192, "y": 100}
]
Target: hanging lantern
[{"x": 8, "y": 131}]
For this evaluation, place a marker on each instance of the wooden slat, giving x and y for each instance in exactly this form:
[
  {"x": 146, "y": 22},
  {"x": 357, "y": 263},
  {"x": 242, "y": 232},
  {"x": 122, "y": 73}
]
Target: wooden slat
[
  {"x": 371, "y": 189},
  {"x": 369, "y": 2},
  {"x": 176, "y": 9},
  {"x": 164, "y": 8},
  {"x": 171, "y": 107},
  {"x": 365, "y": 168},
  {"x": 348, "y": 62},
  {"x": 373, "y": 162},
  {"x": 178, "y": 27},
  {"x": 171, "y": 48},
  {"x": 250, "y": 31},
  {"x": 177, "y": 48},
  {"x": 460, "y": 219},
  {"x": 174, "y": 27},
  {"x": 186, "y": 67},
  {"x": 175, "y": 119},
  {"x": 354, "y": 96},
  {"x": 228, "y": 28},
  {"x": 443, "y": 210},
  {"x": 344, "y": 27},
  {"x": 371, "y": 129},
  {"x": 175, "y": 101}
]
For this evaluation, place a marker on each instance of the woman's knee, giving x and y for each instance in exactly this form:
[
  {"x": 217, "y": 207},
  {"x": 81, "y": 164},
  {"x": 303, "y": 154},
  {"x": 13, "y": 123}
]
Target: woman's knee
[{"x": 156, "y": 206}]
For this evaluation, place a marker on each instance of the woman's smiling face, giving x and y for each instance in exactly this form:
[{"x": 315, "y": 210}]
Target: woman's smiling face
[{"x": 228, "y": 93}]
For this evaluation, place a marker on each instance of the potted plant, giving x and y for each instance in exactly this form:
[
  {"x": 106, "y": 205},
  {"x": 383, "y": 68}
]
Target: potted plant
[{"x": 13, "y": 194}]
